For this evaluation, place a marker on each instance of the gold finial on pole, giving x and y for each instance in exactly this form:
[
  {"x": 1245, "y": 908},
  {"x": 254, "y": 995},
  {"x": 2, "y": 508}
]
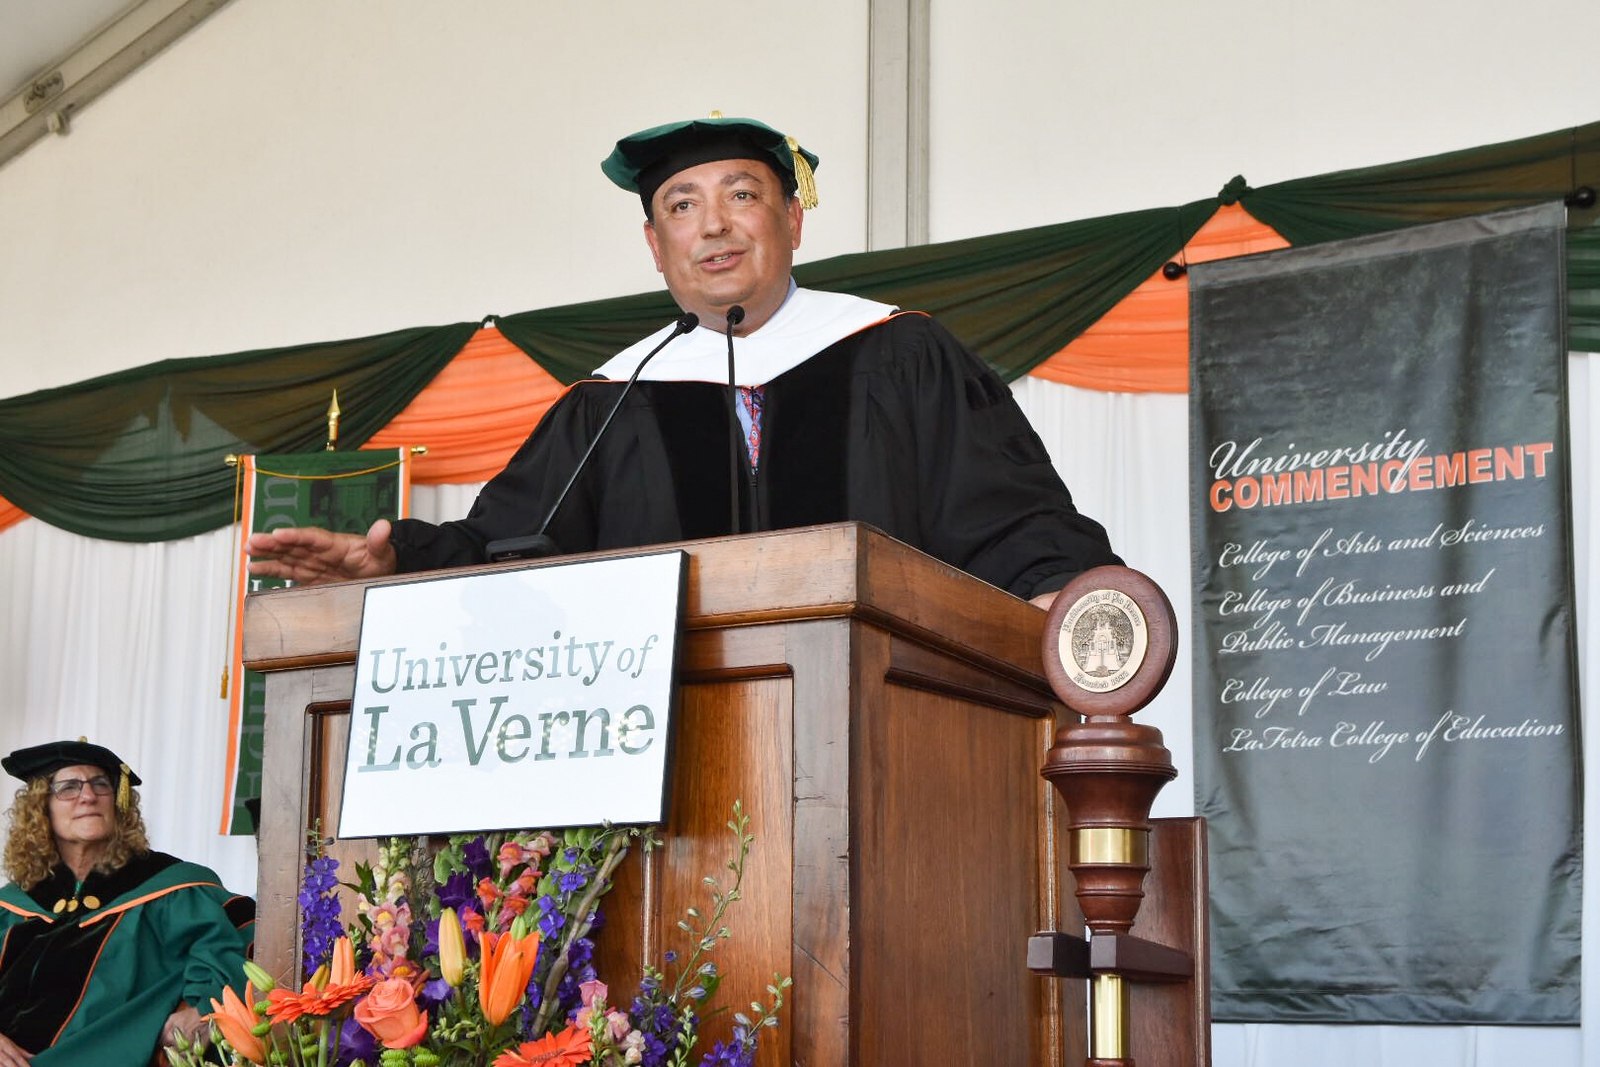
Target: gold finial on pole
[{"x": 333, "y": 421}]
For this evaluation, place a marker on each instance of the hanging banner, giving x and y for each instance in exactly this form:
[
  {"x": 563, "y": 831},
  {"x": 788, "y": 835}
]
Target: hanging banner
[
  {"x": 1385, "y": 691},
  {"x": 341, "y": 491}
]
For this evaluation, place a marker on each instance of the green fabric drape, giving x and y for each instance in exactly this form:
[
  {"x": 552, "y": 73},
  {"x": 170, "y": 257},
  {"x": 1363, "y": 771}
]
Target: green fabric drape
[
  {"x": 1514, "y": 174},
  {"x": 137, "y": 456}
]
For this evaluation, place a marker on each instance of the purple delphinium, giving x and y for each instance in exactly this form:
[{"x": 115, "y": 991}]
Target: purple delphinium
[
  {"x": 735, "y": 1053},
  {"x": 550, "y": 918},
  {"x": 655, "y": 1051},
  {"x": 530, "y": 1009},
  {"x": 320, "y": 926},
  {"x": 656, "y": 1019},
  {"x": 580, "y": 969}
]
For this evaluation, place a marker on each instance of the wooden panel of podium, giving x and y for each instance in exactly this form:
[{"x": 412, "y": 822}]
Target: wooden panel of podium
[{"x": 883, "y": 718}]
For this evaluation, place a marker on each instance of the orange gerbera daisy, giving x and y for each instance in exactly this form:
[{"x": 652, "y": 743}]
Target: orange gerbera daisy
[
  {"x": 284, "y": 1006},
  {"x": 570, "y": 1048},
  {"x": 342, "y": 985}
]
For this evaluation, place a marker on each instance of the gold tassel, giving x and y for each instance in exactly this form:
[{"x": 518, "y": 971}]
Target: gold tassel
[
  {"x": 805, "y": 181},
  {"x": 224, "y": 693},
  {"x": 124, "y": 788}
]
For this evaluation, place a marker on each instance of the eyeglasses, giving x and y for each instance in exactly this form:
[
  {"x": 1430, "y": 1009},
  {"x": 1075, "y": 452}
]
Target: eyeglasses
[{"x": 70, "y": 788}]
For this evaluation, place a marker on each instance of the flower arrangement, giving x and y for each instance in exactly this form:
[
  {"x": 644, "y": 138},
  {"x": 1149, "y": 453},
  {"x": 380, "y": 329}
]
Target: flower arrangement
[{"x": 482, "y": 953}]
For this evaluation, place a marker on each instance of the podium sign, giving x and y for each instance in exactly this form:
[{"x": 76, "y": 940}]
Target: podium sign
[{"x": 516, "y": 698}]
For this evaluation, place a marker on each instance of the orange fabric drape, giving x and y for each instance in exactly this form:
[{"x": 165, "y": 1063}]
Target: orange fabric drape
[
  {"x": 1142, "y": 344},
  {"x": 474, "y": 414},
  {"x": 10, "y": 514}
]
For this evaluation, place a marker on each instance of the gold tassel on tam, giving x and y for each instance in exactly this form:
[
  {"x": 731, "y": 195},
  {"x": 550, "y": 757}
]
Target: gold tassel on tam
[
  {"x": 124, "y": 788},
  {"x": 805, "y": 180}
]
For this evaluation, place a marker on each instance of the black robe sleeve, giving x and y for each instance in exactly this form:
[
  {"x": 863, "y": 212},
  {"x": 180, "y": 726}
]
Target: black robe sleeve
[
  {"x": 516, "y": 501},
  {"x": 940, "y": 456},
  {"x": 993, "y": 502}
]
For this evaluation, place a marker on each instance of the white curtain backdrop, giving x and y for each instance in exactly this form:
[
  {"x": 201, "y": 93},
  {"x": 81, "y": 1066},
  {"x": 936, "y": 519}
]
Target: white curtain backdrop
[{"x": 126, "y": 644}]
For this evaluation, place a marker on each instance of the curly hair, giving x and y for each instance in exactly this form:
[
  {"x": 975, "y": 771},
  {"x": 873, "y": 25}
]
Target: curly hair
[{"x": 31, "y": 846}]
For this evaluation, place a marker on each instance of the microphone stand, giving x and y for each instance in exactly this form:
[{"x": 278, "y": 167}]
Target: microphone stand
[
  {"x": 539, "y": 545},
  {"x": 735, "y": 316}
]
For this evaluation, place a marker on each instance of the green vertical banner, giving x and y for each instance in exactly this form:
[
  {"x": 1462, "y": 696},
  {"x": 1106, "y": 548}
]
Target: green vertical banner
[
  {"x": 1385, "y": 662},
  {"x": 341, "y": 491}
]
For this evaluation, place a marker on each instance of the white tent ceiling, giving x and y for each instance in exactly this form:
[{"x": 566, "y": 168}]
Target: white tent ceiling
[
  {"x": 34, "y": 35},
  {"x": 58, "y": 55}
]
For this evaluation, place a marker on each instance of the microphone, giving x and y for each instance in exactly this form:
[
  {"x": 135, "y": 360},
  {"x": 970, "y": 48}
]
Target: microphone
[
  {"x": 734, "y": 316},
  {"x": 540, "y": 545}
]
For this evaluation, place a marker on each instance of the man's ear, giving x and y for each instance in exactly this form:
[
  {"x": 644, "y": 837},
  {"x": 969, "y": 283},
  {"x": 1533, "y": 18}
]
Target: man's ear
[
  {"x": 797, "y": 219},
  {"x": 655, "y": 246}
]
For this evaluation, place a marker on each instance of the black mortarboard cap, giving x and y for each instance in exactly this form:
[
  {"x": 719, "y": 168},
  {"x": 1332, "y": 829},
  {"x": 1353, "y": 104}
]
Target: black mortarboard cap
[{"x": 41, "y": 761}]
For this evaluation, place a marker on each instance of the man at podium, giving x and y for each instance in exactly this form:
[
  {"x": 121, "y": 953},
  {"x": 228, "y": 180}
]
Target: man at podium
[{"x": 764, "y": 407}]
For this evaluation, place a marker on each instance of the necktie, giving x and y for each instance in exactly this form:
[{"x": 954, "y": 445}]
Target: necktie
[{"x": 751, "y": 397}]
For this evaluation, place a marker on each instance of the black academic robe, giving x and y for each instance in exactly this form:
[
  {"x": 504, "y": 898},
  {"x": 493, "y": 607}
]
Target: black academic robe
[{"x": 897, "y": 426}]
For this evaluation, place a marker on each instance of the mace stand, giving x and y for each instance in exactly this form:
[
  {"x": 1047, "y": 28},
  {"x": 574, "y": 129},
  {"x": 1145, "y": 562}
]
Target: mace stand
[{"x": 1109, "y": 645}]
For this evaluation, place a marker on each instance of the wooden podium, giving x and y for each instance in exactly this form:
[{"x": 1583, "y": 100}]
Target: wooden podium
[{"x": 881, "y": 715}]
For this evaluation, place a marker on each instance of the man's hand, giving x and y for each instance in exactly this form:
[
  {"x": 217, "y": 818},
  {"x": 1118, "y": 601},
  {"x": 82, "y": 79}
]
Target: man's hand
[
  {"x": 1043, "y": 600},
  {"x": 11, "y": 1054},
  {"x": 308, "y": 555}
]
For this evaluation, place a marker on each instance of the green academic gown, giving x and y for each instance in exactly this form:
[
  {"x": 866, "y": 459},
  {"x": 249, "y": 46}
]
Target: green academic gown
[{"x": 92, "y": 982}]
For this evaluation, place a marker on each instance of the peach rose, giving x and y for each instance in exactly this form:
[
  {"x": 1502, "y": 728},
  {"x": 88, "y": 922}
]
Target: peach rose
[{"x": 390, "y": 1014}]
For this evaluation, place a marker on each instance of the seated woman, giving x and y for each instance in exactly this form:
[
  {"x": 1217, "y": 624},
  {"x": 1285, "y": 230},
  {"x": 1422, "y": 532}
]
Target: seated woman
[{"x": 106, "y": 948}]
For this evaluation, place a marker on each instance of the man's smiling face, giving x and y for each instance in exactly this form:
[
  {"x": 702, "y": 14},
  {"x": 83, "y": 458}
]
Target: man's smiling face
[{"x": 724, "y": 233}]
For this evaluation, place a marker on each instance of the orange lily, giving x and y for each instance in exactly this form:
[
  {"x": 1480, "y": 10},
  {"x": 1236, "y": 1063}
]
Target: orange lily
[
  {"x": 507, "y": 966},
  {"x": 452, "y": 948},
  {"x": 237, "y": 1022}
]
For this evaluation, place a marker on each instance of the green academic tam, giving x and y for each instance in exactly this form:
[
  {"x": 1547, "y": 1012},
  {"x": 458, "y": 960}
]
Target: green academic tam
[{"x": 642, "y": 161}]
